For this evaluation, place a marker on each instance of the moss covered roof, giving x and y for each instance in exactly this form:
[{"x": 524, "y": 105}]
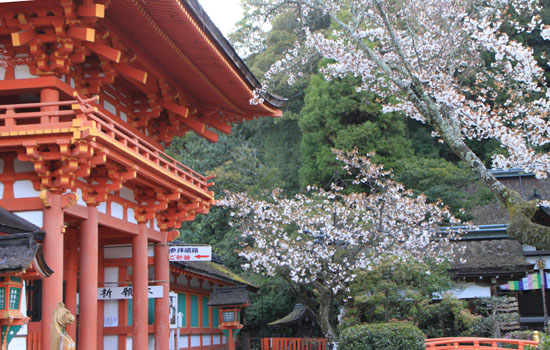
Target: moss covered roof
[
  {"x": 490, "y": 257},
  {"x": 214, "y": 270},
  {"x": 299, "y": 313}
]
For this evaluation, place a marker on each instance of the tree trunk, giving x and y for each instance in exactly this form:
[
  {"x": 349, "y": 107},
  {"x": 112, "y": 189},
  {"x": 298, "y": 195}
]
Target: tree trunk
[
  {"x": 323, "y": 315},
  {"x": 520, "y": 211}
]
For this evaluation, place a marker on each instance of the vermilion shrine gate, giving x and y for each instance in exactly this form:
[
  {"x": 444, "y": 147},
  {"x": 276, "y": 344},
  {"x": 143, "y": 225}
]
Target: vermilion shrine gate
[{"x": 160, "y": 69}]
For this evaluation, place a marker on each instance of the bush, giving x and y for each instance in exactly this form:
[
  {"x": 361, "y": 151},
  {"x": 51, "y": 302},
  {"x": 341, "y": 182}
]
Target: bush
[
  {"x": 382, "y": 336},
  {"x": 522, "y": 335},
  {"x": 445, "y": 318}
]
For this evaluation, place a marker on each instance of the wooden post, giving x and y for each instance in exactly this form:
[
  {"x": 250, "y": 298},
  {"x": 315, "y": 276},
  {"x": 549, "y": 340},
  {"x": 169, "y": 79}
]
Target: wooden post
[
  {"x": 71, "y": 278},
  {"x": 140, "y": 303},
  {"x": 53, "y": 243},
  {"x": 52, "y": 293},
  {"x": 162, "y": 305},
  {"x": 87, "y": 337}
]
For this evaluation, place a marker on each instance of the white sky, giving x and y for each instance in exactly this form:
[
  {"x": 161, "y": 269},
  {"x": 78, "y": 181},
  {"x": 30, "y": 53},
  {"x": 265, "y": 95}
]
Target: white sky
[{"x": 224, "y": 13}]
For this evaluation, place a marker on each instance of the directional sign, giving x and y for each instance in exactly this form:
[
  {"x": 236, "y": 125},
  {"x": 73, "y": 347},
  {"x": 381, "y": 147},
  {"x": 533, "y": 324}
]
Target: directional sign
[{"x": 191, "y": 253}]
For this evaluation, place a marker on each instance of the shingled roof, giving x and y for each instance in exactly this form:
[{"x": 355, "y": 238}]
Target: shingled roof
[
  {"x": 11, "y": 223},
  {"x": 299, "y": 313},
  {"x": 490, "y": 258},
  {"x": 18, "y": 246},
  {"x": 228, "y": 296}
]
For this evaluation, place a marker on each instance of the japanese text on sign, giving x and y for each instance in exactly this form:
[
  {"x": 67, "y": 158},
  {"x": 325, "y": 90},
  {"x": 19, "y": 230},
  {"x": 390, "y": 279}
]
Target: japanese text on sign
[
  {"x": 114, "y": 293},
  {"x": 190, "y": 253}
]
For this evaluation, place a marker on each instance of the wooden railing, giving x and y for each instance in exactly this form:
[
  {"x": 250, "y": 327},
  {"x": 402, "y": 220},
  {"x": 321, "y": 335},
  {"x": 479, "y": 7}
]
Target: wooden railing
[
  {"x": 28, "y": 116},
  {"x": 467, "y": 343},
  {"x": 293, "y": 343}
]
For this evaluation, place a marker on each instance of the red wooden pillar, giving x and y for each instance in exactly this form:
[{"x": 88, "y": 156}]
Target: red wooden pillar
[
  {"x": 52, "y": 293},
  {"x": 87, "y": 337},
  {"x": 100, "y": 303},
  {"x": 71, "y": 278},
  {"x": 162, "y": 305},
  {"x": 139, "y": 276}
]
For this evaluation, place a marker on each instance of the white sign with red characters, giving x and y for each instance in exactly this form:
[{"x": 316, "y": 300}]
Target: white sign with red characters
[{"x": 191, "y": 253}]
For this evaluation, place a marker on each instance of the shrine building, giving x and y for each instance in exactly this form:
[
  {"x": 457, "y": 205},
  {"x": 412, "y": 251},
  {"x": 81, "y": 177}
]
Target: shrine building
[{"x": 91, "y": 92}]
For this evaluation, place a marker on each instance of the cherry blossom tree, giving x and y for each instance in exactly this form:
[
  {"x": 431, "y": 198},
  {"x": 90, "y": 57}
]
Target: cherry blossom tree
[
  {"x": 447, "y": 63},
  {"x": 321, "y": 238}
]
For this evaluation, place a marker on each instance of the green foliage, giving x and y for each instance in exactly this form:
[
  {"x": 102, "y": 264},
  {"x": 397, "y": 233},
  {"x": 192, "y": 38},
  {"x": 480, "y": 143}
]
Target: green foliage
[
  {"x": 336, "y": 116},
  {"x": 544, "y": 343},
  {"x": 521, "y": 335},
  {"x": 493, "y": 316},
  {"x": 453, "y": 184},
  {"x": 448, "y": 317},
  {"x": 387, "y": 336},
  {"x": 394, "y": 289}
]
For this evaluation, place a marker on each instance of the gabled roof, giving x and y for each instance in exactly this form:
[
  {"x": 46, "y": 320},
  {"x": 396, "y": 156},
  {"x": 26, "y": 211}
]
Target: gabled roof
[
  {"x": 213, "y": 270},
  {"x": 11, "y": 223},
  {"x": 18, "y": 251},
  {"x": 177, "y": 39},
  {"x": 490, "y": 258},
  {"x": 18, "y": 246},
  {"x": 229, "y": 296},
  {"x": 300, "y": 312}
]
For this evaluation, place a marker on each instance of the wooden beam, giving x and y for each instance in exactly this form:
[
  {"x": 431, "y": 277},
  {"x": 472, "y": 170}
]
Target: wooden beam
[
  {"x": 105, "y": 51},
  {"x": 82, "y": 33},
  {"x": 219, "y": 125},
  {"x": 22, "y": 37},
  {"x": 131, "y": 72},
  {"x": 91, "y": 10},
  {"x": 192, "y": 123}
]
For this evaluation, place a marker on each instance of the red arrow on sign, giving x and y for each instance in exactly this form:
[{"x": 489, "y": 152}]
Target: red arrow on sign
[{"x": 201, "y": 256}]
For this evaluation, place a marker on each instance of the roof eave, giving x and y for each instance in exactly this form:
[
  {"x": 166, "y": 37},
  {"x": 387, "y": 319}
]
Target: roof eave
[{"x": 225, "y": 47}]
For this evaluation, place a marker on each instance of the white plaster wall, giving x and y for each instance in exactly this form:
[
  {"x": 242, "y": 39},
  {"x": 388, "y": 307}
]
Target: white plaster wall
[
  {"x": 129, "y": 342},
  {"x": 1, "y": 190},
  {"x": 24, "y": 189},
  {"x": 2, "y": 73},
  {"x": 110, "y": 342},
  {"x": 206, "y": 339},
  {"x": 151, "y": 343},
  {"x": 216, "y": 339},
  {"x": 123, "y": 116},
  {"x": 23, "y": 72},
  {"x": 470, "y": 290},
  {"x": 18, "y": 343},
  {"x": 131, "y": 217},
  {"x": 35, "y": 217},
  {"x": 195, "y": 340},
  {"x": 102, "y": 207},
  {"x": 80, "y": 200},
  {"x": 224, "y": 341},
  {"x": 183, "y": 341},
  {"x": 117, "y": 210}
]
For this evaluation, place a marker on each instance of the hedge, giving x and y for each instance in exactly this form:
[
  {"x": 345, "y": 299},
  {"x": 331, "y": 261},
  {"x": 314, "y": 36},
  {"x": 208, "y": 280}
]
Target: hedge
[{"x": 382, "y": 336}]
